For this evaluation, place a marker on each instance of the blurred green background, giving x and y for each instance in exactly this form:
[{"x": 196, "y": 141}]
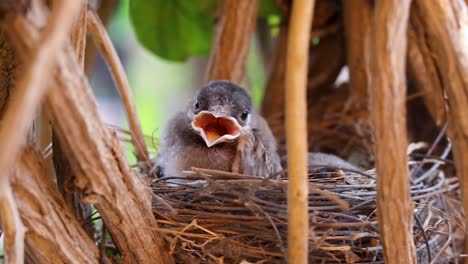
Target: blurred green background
[{"x": 160, "y": 87}]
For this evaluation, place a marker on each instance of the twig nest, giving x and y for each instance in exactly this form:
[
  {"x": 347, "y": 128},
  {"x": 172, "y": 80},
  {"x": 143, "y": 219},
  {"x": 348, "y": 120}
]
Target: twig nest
[{"x": 217, "y": 217}]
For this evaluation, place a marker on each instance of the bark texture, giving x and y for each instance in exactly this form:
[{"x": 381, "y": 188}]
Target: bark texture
[
  {"x": 79, "y": 32},
  {"x": 358, "y": 28},
  {"x": 232, "y": 40},
  {"x": 296, "y": 129},
  {"x": 8, "y": 70},
  {"x": 65, "y": 183},
  {"x": 63, "y": 172},
  {"x": 53, "y": 233},
  {"x": 423, "y": 67},
  {"x": 388, "y": 98},
  {"x": 446, "y": 22},
  {"x": 95, "y": 156},
  {"x": 22, "y": 108}
]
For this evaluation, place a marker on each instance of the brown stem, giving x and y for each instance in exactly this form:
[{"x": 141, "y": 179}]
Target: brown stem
[
  {"x": 423, "y": 68},
  {"x": 105, "y": 10},
  {"x": 446, "y": 23},
  {"x": 388, "y": 95},
  {"x": 65, "y": 182},
  {"x": 54, "y": 234},
  {"x": 79, "y": 33},
  {"x": 63, "y": 171},
  {"x": 104, "y": 43},
  {"x": 232, "y": 40},
  {"x": 21, "y": 110},
  {"x": 358, "y": 29},
  {"x": 33, "y": 86},
  {"x": 296, "y": 129},
  {"x": 95, "y": 156},
  {"x": 8, "y": 71},
  {"x": 13, "y": 228}
]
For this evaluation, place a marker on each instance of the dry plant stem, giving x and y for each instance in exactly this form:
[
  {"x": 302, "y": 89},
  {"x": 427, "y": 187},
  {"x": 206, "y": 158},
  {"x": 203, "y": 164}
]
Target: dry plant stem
[
  {"x": 65, "y": 178},
  {"x": 95, "y": 155},
  {"x": 446, "y": 23},
  {"x": 232, "y": 40},
  {"x": 245, "y": 207},
  {"x": 13, "y": 228},
  {"x": 388, "y": 106},
  {"x": 79, "y": 33},
  {"x": 20, "y": 113},
  {"x": 33, "y": 86},
  {"x": 296, "y": 129},
  {"x": 358, "y": 32},
  {"x": 54, "y": 234},
  {"x": 105, "y": 11},
  {"x": 423, "y": 67},
  {"x": 63, "y": 172},
  {"x": 8, "y": 71},
  {"x": 102, "y": 40}
]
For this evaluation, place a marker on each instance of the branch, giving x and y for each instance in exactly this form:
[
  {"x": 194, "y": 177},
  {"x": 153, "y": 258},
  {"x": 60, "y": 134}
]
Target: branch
[
  {"x": 79, "y": 33},
  {"x": 296, "y": 129},
  {"x": 95, "y": 156},
  {"x": 54, "y": 234},
  {"x": 8, "y": 66},
  {"x": 105, "y": 10},
  {"x": 395, "y": 209},
  {"x": 104, "y": 43},
  {"x": 12, "y": 227},
  {"x": 358, "y": 29},
  {"x": 63, "y": 171},
  {"x": 446, "y": 23},
  {"x": 33, "y": 86},
  {"x": 65, "y": 182},
  {"x": 232, "y": 40},
  {"x": 423, "y": 67},
  {"x": 21, "y": 110}
]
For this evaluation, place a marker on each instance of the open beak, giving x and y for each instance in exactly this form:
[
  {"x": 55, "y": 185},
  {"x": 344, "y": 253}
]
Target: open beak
[{"x": 215, "y": 129}]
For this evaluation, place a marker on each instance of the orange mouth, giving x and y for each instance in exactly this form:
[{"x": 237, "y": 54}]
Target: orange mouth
[{"x": 215, "y": 129}]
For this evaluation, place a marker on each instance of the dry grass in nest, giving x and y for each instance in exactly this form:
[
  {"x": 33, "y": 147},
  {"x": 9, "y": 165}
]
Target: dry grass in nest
[{"x": 217, "y": 217}]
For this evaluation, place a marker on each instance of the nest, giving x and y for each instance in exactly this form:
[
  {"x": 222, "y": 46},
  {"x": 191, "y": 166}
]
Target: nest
[{"x": 218, "y": 217}]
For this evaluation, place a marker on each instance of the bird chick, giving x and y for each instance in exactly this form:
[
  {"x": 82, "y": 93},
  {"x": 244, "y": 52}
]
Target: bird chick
[{"x": 220, "y": 130}]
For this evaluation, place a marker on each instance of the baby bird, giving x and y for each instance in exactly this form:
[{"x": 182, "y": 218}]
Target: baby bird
[{"x": 220, "y": 130}]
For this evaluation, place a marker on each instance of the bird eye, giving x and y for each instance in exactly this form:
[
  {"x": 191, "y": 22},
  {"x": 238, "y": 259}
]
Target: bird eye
[
  {"x": 244, "y": 115},
  {"x": 197, "y": 105}
]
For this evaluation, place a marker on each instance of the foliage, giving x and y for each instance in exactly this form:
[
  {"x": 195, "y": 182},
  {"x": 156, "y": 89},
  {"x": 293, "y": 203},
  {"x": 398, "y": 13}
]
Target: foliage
[
  {"x": 173, "y": 30},
  {"x": 178, "y": 29}
]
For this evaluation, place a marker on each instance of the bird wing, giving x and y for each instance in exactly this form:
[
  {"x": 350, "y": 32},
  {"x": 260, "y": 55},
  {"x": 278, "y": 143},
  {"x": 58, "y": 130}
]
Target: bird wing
[{"x": 258, "y": 151}]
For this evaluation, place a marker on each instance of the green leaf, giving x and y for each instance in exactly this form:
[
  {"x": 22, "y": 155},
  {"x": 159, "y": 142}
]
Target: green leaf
[
  {"x": 267, "y": 8},
  {"x": 174, "y": 29}
]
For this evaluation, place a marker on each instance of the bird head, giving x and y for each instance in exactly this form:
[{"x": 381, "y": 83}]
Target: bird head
[{"x": 220, "y": 111}]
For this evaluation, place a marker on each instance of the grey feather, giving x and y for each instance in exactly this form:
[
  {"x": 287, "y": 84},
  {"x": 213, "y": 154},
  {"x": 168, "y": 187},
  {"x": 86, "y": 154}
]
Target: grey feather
[
  {"x": 259, "y": 156},
  {"x": 181, "y": 148}
]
